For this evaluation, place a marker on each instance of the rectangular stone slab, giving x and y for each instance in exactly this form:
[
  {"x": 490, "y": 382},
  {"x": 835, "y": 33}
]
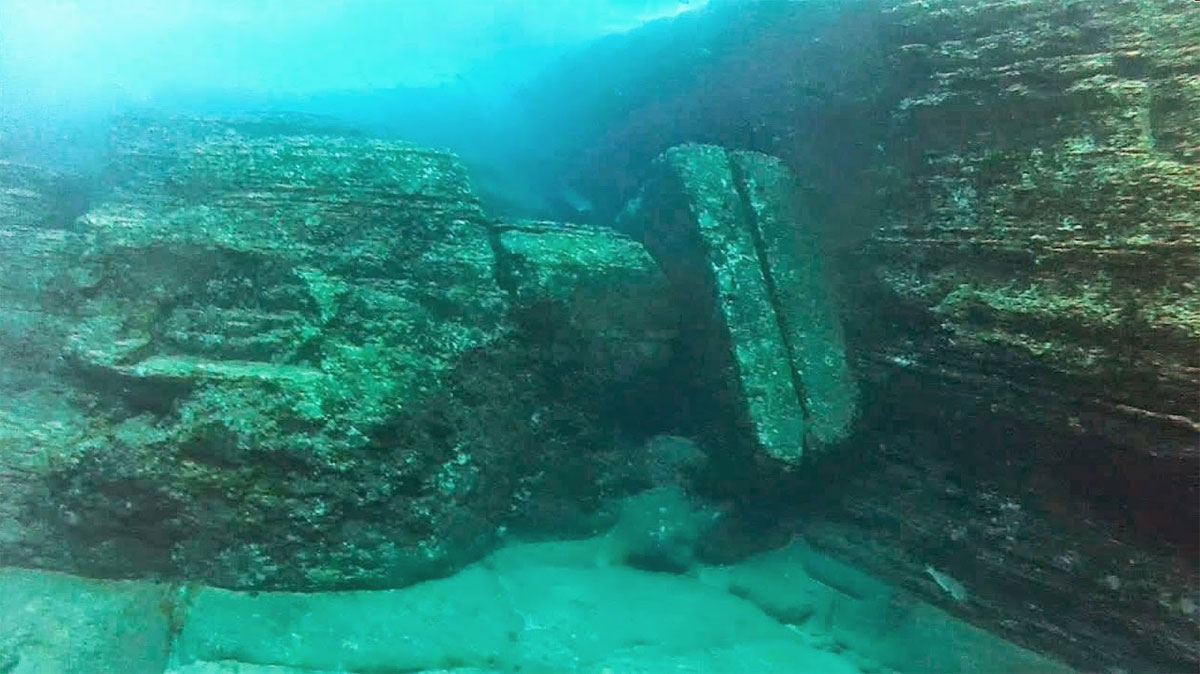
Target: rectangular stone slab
[
  {"x": 696, "y": 226},
  {"x": 793, "y": 263},
  {"x": 742, "y": 255}
]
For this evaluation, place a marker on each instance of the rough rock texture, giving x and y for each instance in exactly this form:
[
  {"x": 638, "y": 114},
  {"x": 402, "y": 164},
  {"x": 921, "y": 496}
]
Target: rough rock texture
[
  {"x": 260, "y": 310},
  {"x": 793, "y": 259},
  {"x": 37, "y": 197},
  {"x": 601, "y": 285},
  {"x": 1009, "y": 190},
  {"x": 597, "y": 318},
  {"x": 36, "y": 419},
  {"x": 760, "y": 324},
  {"x": 291, "y": 364},
  {"x": 35, "y": 235},
  {"x": 1032, "y": 296},
  {"x": 1058, "y": 261},
  {"x": 1039, "y": 280}
]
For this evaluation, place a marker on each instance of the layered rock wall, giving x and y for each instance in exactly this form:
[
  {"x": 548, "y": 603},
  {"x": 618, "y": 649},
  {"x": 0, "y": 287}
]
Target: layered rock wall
[
  {"x": 292, "y": 358},
  {"x": 1025, "y": 313},
  {"x": 1009, "y": 190},
  {"x": 1041, "y": 226}
]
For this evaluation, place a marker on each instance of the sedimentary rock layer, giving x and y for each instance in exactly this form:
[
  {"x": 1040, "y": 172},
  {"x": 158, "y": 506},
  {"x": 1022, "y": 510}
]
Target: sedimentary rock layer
[
  {"x": 1010, "y": 191},
  {"x": 288, "y": 360},
  {"x": 601, "y": 285},
  {"x": 1032, "y": 294},
  {"x": 1047, "y": 225}
]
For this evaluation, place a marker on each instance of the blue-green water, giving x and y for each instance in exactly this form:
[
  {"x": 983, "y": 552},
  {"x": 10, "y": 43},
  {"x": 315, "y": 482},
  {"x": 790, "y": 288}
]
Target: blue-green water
[{"x": 599, "y": 336}]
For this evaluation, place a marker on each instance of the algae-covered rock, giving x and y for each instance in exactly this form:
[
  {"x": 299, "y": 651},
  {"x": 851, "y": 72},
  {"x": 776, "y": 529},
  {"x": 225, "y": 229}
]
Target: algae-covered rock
[
  {"x": 1055, "y": 261},
  {"x": 1022, "y": 316},
  {"x": 601, "y": 286},
  {"x": 595, "y": 312},
  {"x": 37, "y": 242},
  {"x": 293, "y": 358},
  {"x": 273, "y": 320},
  {"x": 288, "y": 363},
  {"x": 729, "y": 234},
  {"x": 1029, "y": 327},
  {"x": 31, "y": 196},
  {"x": 794, "y": 264}
]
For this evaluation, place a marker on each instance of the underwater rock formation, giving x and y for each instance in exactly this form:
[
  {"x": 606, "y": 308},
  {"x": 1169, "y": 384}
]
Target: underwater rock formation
[
  {"x": 297, "y": 367},
  {"x": 36, "y": 245},
  {"x": 1040, "y": 286},
  {"x": 1032, "y": 299},
  {"x": 601, "y": 286},
  {"x": 745, "y": 267},
  {"x": 31, "y": 196},
  {"x": 260, "y": 312},
  {"x": 1050, "y": 268},
  {"x": 1009, "y": 191},
  {"x": 35, "y": 233}
]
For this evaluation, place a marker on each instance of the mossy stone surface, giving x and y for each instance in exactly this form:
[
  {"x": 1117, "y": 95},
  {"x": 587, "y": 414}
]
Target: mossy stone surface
[{"x": 747, "y": 273}]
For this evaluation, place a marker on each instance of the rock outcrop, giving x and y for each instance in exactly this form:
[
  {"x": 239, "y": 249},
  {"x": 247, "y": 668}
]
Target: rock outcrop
[
  {"x": 35, "y": 237},
  {"x": 36, "y": 419},
  {"x": 1050, "y": 268},
  {"x": 290, "y": 361},
  {"x": 260, "y": 310},
  {"x": 1032, "y": 293},
  {"x": 1009, "y": 192}
]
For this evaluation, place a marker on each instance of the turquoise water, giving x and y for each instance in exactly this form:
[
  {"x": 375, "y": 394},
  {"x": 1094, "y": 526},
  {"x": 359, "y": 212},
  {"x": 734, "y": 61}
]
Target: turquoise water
[{"x": 598, "y": 336}]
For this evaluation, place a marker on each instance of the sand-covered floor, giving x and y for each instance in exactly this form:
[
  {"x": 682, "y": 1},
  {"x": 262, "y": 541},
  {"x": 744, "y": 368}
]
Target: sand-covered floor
[{"x": 534, "y": 607}]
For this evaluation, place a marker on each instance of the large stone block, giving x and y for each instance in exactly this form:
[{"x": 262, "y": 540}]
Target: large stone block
[
  {"x": 272, "y": 317},
  {"x": 728, "y": 232},
  {"x": 601, "y": 284},
  {"x": 795, "y": 267}
]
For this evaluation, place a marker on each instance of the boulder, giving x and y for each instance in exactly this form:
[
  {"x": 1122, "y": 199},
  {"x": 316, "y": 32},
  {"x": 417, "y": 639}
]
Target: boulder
[
  {"x": 272, "y": 316},
  {"x": 602, "y": 286}
]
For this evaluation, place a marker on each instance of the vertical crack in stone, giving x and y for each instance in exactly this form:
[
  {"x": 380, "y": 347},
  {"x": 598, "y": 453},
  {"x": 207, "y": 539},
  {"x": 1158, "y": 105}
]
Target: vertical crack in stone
[{"x": 750, "y": 217}]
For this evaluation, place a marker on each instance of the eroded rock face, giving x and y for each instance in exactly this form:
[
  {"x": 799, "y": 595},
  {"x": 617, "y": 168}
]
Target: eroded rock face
[
  {"x": 36, "y": 239},
  {"x": 293, "y": 366},
  {"x": 601, "y": 285},
  {"x": 598, "y": 321},
  {"x": 36, "y": 417},
  {"x": 1029, "y": 327},
  {"x": 275, "y": 321},
  {"x": 728, "y": 231},
  {"x": 1044, "y": 214},
  {"x": 1010, "y": 192}
]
